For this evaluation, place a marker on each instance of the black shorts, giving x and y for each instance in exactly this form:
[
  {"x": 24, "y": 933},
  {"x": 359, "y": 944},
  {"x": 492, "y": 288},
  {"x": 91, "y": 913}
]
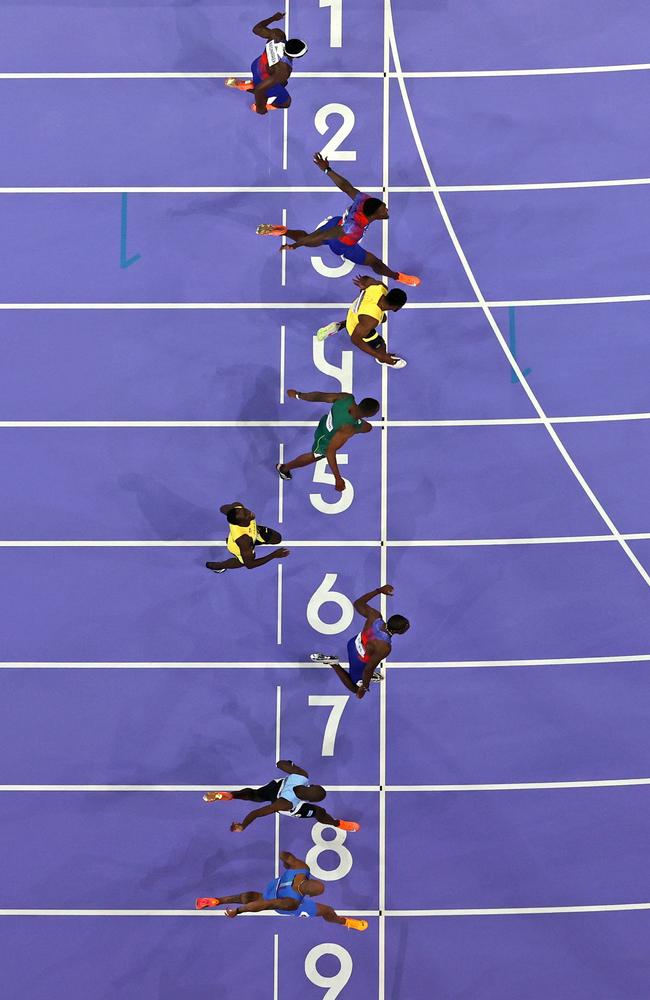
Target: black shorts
[
  {"x": 378, "y": 344},
  {"x": 269, "y": 793}
]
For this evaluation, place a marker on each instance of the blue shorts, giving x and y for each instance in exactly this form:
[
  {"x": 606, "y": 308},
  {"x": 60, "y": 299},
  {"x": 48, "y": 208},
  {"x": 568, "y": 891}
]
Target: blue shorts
[
  {"x": 307, "y": 908},
  {"x": 357, "y": 666},
  {"x": 355, "y": 253},
  {"x": 280, "y": 93}
]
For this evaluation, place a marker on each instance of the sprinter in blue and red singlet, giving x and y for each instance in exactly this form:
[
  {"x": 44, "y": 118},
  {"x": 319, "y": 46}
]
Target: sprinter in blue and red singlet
[
  {"x": 271, "y": 70},
  {"x": 369, "y": 647},
  {"x": 343, "y": 233}
]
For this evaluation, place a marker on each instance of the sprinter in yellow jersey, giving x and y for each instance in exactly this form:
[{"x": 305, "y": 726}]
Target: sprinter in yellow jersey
[
  {"x": 366, "y": 313},
  {"x": 245, "y": 533}
]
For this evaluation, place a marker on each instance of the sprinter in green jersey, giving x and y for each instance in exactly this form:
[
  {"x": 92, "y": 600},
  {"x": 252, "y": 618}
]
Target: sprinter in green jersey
[{"x": 345, "y": 419}]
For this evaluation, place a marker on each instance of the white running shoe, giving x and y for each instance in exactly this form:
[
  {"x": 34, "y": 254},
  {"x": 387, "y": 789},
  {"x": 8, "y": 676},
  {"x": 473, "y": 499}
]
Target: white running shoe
[
  {"x": 377, "y": 676},
  {"x": 323, "y": 658},
  {"x": 400, "y": 363},
  {"x": 327, "y": 331}
]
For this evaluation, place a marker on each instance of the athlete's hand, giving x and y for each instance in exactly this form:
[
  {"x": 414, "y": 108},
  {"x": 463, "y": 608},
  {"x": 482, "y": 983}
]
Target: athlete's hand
[
  {"x": 339, "y": 484},
  {"x": 292, "y": 393},
  {"x": 363, "y": 281},
  {"x": 259, "y": 111},
  {"x": 280, "y": 553},
  {"x": 321, "y": 162},
  {"x": 361, "y": 691},
  {"x": 277, "y": 17},
  {"x": 232, "y": 913},
  {"x": 236, "y": 828},
  {"x": 289, "y": 246},
  {"x": 387, "y": 589}
]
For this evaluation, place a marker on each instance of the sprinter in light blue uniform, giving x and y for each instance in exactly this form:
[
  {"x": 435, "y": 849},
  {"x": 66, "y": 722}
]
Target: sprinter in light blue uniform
[
  {"x": 290, "y": 796},
  {"x": 290, "y": 895}
]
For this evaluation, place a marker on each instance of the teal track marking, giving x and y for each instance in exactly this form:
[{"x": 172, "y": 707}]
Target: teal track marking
[
  {"x": 124, "y": 260},
  {"x": 513, "y": 345}
]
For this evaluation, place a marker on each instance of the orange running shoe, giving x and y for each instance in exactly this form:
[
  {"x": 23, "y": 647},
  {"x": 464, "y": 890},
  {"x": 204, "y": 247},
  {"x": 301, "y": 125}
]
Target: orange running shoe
[
  {"x": 409, "y": 279},
  {"x": 346, "y": 824},
  {"x": 356, "y": 925},
  {"x": 205, "y": 902},
  {"x": 267, "y": 229},
  {"x": 216, "y": 796},
  {"x": 239, "y": 84}
]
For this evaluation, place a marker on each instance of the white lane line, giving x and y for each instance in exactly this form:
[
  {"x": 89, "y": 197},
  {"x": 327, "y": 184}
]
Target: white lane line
[
  {"x": 278, "y": 754},
  {"x": 283, "y": 348},
  {"x": 641, "y": 570},
  {"x": 499, "y": 787},
  {"x": 279, "y": 612},
  {"x": 314, "y": 189},
  {"x": 167, "y": 788},
  {"x": 280, "y": 485},
  {"x": 441, "y": 543},
  {"x": 488, "y": 422},
  {"x": 283, "y": 256},
  {"x": 208, "y": 914},
  {"x": 276, "y": 965},
  {"x": 329, "y": 306},
  {"x": 357, "y": 75},
  {"x": 514, "y": 911},
  {"x": 291, "y": 665},
  {"x": 383, "y": 528},
  {"x": 285, "y": 140}
]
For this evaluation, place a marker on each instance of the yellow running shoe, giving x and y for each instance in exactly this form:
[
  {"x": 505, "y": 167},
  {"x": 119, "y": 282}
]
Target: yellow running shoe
[{"x": 356, "y": 925}]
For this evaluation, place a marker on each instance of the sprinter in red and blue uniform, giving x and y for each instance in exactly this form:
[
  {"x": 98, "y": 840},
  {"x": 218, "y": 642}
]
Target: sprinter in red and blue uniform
[
  {"x": 271, "y": 70},
  {"x": 343, "y": 233},
  {"x": 369, "y": 647}
]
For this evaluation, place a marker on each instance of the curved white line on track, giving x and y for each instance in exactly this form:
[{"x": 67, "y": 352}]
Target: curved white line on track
[
  {"x": 643, "y": 573},
  {"x": 473, "y": 304}
]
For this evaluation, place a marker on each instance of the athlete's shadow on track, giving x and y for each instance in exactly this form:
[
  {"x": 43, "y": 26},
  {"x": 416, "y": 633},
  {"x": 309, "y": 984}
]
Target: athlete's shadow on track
[{"x": 169, "y": 514}]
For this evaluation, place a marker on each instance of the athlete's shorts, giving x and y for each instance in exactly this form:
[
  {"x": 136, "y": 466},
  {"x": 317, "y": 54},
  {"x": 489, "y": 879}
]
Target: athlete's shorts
[
  {"x": 262, "y": 538},
  {"x": 357, "y": 666},
  {"x": 321, "y": 444},
  {"x": 355, "y": 253},
  {"x": 270, "y": 792},
  {"x": 280, "y": 93},
  {"x": 307, "y": 908}
]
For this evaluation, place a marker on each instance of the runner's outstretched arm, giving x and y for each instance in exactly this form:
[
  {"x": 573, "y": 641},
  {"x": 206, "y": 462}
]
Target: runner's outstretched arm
[
  {"x": 289, "y": 767},
  {"x": 362, "y": 603},
  {"x": 271, "y": 34},
  {"x": 337, "y": 442},
  {"x": 340, "y": 181},
  {"x": 272, "y": 807},
  {"x": 317, "y": 397}
]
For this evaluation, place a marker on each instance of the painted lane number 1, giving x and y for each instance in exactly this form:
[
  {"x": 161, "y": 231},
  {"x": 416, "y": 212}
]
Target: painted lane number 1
[{"x": 336, "y": 22}]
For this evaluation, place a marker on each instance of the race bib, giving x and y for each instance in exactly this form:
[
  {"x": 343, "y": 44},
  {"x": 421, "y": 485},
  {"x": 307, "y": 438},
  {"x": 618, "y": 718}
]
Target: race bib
[{"x": 274, "y": 52}]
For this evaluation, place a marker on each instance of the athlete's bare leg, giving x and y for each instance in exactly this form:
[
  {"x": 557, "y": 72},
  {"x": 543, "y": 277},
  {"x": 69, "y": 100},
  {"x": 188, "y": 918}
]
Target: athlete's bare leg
[
  {"x": 344, "y": 677},
  {"x": 300, "y": 462}
]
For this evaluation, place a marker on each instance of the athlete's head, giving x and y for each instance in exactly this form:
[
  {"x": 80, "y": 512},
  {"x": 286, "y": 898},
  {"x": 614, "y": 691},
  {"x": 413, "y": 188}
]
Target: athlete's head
[
  {"x": 240, "y": 515},
  {"x": 398, "y": 624},
  {"x": 311, "y": 887},
  {"x": 396, "y": 298},
  {"x": 368, "y": 407},
  {"x": 295, "y": 48},
  {"x": 374, "y": 208},
  {"x": 311, "y": 793}
]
